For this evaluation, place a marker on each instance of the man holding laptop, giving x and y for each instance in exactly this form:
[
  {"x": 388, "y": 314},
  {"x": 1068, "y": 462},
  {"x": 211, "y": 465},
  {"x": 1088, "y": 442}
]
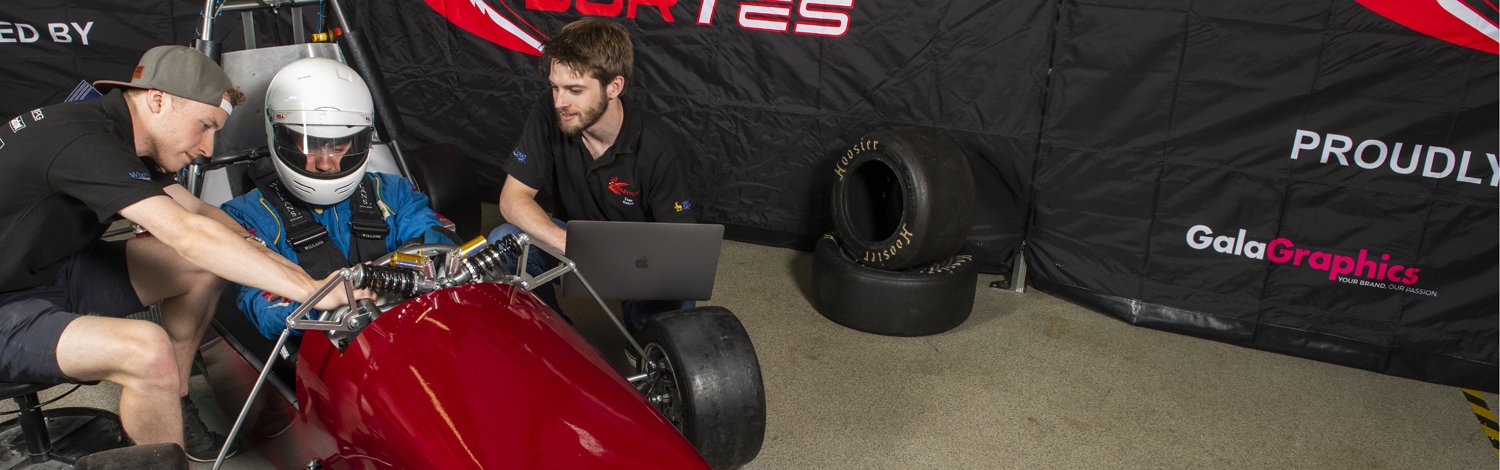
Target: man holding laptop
[{"x": 589, "y": 154}]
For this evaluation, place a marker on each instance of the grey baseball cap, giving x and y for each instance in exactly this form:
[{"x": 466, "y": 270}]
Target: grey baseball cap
[{"x": 181, "y": 71}]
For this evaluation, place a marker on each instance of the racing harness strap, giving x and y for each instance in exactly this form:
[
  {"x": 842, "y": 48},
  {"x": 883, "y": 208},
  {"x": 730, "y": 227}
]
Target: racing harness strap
[{"x": 310, "y": 239}]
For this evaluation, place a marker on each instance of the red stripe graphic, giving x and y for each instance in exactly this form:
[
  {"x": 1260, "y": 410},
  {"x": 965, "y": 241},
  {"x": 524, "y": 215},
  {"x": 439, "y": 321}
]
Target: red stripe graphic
[
  {"x": 1450, "y": 20},
  {"x": 503, "y": 27}
]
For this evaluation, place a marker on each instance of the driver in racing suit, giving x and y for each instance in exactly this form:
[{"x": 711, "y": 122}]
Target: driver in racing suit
[{"x": 319, "y": 118}]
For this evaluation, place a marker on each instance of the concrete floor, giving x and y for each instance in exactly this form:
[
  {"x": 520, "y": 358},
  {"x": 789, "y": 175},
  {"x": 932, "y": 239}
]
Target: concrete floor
[{"x": 1032, "y": 381}]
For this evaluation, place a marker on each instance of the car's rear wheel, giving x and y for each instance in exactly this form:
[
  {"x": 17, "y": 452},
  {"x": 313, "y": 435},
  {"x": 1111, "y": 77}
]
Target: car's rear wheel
[{"x": 704, "y": 377}]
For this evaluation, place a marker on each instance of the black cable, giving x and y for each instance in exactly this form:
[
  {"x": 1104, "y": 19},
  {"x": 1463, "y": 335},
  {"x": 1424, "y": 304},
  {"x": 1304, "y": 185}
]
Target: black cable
[{"x": 48, "y": 402}]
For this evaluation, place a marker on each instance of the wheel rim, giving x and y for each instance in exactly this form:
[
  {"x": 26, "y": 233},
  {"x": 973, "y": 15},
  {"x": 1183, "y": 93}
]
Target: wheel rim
[{"x": 660, "y": 387}]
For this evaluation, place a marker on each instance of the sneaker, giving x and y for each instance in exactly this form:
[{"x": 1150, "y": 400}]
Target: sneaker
[{"x": 202, "y": 445}]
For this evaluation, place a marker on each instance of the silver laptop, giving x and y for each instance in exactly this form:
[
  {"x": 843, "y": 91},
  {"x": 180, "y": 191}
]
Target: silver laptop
[{"x": 643, "y": 260}]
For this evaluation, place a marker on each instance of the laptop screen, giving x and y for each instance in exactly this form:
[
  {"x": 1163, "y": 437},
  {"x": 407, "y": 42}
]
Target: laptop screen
[{"x": 643, "y": 260}]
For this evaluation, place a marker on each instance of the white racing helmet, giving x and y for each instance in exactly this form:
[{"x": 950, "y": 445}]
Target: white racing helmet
[{"x": 319, "y": 125}]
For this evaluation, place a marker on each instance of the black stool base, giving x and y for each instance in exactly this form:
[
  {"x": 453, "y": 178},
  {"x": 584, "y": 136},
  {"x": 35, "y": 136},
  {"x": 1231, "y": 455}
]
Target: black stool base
[{"x": 75, "y": 432}]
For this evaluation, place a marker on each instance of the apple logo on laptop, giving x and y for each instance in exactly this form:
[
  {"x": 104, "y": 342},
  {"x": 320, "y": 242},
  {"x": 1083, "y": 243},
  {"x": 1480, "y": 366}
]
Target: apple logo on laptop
[{"x": 641, "y": 262}]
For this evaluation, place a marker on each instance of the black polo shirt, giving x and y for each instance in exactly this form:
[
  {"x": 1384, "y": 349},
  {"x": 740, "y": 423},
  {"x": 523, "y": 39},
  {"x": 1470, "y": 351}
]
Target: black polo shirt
[
  {"x": 638, "y": 179},
  {"x": 65, "y": 172}
]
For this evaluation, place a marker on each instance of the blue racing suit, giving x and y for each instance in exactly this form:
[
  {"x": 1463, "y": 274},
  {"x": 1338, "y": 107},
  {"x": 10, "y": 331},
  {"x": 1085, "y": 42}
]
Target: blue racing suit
[{"x": 403, "y": 208}]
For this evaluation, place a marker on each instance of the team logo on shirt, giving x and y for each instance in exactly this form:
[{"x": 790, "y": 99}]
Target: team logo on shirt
[
  {"x": 140, "y": 175},
  {"x": 17, "y": 124},
  {"x": 36, "y": 114},
  {"x": 683, "y": 205},
  {"x": 520, "y": 157},
  {"x": 619, "y": 188}
]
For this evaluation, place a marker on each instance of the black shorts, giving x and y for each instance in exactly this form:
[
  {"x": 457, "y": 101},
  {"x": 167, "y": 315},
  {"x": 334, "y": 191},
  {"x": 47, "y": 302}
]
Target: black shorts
[{"x": 95, "y": 281}]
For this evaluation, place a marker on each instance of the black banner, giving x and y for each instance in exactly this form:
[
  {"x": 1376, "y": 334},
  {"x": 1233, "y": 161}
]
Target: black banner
[
  {"x": 765, "y": 93},
  {"x": 48, "y": 47},
  {"x": 1309, "y": 178},
  {"x": 1314, "y": 178}
]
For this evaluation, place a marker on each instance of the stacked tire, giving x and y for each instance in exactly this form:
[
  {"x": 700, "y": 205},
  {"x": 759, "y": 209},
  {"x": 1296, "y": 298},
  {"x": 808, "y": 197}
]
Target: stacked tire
[{"x": 897, "y": 263}]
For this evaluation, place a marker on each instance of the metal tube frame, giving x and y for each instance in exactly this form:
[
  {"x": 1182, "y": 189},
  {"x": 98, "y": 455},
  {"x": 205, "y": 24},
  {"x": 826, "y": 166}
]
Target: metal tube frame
[
  {"x": 565, "y": 265},
  {"x": 344, "y": 279}
]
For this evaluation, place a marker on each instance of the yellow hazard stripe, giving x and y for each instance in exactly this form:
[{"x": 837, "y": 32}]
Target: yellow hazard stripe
[
  {"x": 1484, "y": 415},
  {"x": 1477, "y": 403}
]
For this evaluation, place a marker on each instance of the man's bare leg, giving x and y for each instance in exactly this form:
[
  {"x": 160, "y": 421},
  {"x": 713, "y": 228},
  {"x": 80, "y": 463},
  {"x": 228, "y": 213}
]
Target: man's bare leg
[
  {"x": 188, "y": 295},
  {"x": 137, "y": 355}
]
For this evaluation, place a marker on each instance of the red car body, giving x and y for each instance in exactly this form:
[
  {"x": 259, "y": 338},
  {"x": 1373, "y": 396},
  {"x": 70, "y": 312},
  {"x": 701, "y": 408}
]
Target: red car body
[{"x": 475, "y": 376}]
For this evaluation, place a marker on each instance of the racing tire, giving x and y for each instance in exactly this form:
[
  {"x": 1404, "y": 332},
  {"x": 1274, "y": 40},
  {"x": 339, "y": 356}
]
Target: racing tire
[
  {"x": 719, "y": 398},
  {"x": 903, "y": 198},
  {"x": 915, "y": 302}
]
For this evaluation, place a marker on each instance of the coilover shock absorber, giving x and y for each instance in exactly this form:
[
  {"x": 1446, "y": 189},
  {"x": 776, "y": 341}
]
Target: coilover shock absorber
[
  {"x": 391, "y": 280},
  {"x": 479, "y": 257},
  {"x": 510, "y": 244}
]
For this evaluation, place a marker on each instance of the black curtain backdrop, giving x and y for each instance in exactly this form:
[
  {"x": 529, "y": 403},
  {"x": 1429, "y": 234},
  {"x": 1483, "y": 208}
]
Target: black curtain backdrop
[
  {"x": 765, "y": 112},
  {"x": 1164, "y": 160},
  {"x": 1171, "y": 124},
  {"x": 103, "y": 40},
  {"x": 38, "y": 68}
]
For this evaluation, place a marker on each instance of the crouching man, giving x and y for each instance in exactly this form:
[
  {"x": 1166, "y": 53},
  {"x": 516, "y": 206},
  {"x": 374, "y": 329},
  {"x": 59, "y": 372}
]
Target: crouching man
[{"x": 68, "y": 171}]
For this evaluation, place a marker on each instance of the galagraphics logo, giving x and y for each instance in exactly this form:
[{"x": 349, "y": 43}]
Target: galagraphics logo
[{"x": 1364, "y": 268}]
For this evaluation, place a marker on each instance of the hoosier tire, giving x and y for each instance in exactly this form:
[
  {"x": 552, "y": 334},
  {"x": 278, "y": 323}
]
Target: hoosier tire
[
  {"x": 914, "y": 302},
  {"x": 903, "y": 198}
]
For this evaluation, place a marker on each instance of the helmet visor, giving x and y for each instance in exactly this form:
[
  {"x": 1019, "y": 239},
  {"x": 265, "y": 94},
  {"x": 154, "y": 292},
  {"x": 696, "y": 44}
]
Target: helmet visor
[{"x": 321, "y": 157}]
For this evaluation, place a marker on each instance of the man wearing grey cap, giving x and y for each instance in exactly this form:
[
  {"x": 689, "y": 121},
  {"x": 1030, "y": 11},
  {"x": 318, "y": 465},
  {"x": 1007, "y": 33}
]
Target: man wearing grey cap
[{"x": 68, "y": 171}]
